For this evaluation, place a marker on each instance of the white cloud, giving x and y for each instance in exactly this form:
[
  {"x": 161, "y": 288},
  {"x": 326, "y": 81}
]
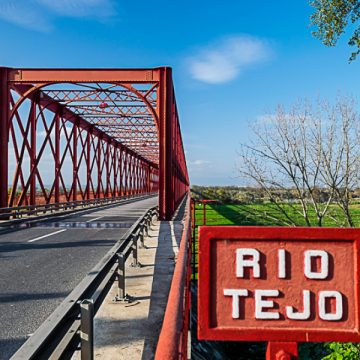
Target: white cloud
[
  {"x": 224, "y": 60},
  {"x": 80, "y": 8},
  {"x": 23, "y": 14},
  {"x": 198, "y": 163},
  {"x": 38, "y": 14}
]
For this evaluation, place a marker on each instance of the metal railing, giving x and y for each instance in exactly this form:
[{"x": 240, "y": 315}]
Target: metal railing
[
  {"x": 26, "y": 211},
  {"x": 172, "y": 342},
  {"x": 71, "y": 323}
]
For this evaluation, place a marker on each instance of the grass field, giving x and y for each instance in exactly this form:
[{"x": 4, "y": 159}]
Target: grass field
[
  {"x": 259, "y": 215},
  {"x": 224, "y": 214},
  {"x": 265, "y": 215},
  {"x": 249, "y": 215}
]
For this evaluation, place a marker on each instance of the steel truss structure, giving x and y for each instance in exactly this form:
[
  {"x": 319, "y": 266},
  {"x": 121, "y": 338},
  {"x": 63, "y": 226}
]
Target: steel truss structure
[{"x": 82, "y": 134}]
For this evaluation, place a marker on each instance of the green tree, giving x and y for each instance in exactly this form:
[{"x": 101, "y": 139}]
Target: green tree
[
  {"x": 306, "y": 150},
  {"x": 333, "y": 17}
]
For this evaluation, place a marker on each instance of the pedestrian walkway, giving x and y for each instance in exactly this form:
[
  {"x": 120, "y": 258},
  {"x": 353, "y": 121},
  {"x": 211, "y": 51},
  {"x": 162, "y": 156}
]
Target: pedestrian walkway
[{"x": 131, "y": 330}]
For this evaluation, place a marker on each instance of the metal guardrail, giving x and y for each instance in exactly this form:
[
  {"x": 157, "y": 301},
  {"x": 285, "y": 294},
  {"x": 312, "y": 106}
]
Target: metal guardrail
[
  {"x": 19, "y": 212},
  {"x": 71, "y": 323}
]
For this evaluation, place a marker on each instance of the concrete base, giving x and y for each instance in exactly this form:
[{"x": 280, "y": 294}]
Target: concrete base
[{"x": 130, "y": 330}]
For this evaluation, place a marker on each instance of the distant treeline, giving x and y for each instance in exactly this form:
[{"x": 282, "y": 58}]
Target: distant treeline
[{"x": 252, "y": 195}]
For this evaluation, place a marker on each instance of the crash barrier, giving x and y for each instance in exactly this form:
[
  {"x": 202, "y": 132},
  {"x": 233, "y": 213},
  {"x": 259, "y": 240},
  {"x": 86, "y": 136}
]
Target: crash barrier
[{"x": 26, "y": 211}]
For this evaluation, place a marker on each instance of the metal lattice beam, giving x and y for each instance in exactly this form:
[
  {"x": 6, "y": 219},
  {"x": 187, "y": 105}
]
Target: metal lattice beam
[{"x": 100, "y": 132}]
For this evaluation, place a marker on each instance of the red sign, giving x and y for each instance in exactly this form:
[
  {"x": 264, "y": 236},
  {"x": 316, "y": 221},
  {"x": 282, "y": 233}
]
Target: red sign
[{"x": 278, "y": 284}]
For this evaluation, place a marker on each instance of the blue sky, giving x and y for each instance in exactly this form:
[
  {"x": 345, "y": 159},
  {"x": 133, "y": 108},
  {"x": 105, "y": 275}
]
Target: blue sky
[{"x": 233, "y": 61}]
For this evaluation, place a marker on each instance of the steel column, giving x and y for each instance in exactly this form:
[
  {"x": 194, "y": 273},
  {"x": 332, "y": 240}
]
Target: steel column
[
  {"x": 57, "y": 159},
  {"x": 107, "y": 169},
  {"x": 166, "y": 153},
  {"x": 121, "y": 171},
  {"x": 75, "y": 162},
  {"x": 88, "y": 164},
  {"x": 115, "y": 170},
  {"x": 32, "y": 152},
  {"x": 137, "y": 176},
  {"x": 4, "y": 136},
  {"x": 131, "y": 174},
  {"x": 126, "y": 173},
  {"x": 99, "y": 168}
]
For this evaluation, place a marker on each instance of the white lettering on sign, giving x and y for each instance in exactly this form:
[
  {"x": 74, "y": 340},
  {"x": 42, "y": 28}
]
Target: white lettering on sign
[
  {"x": 329, "y": 303},
  {"x": 305, "y": 314},
  {"x": 282, "y": 264},
  {"x": 235, "y": 293},
  {"x": 242, "y": 263},
  {"x": 329, "y": 316},
  {"x": 261, "y": 304},
  {"x": 324, "y": 257}
]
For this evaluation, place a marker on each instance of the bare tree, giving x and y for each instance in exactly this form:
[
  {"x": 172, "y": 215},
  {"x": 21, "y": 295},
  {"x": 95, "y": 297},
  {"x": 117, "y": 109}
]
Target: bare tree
[{"x": 307, "y": 151}]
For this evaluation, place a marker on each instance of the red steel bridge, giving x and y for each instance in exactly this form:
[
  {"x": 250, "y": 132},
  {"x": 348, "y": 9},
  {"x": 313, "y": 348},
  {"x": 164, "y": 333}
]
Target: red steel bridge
[
  {"x": 84, "y": 134},
  {"x": 84, "y": 137}
]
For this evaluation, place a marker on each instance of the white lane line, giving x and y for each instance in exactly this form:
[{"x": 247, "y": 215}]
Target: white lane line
[
  {"x": 44, "y": 236},
  {"x": 95, "y": 219}
]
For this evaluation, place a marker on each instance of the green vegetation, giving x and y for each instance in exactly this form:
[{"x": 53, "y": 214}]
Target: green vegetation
[
  {"x": 251, "y": 206},
  {"x": 332, "y": 18},
  {"x": 248, "y": 214}
]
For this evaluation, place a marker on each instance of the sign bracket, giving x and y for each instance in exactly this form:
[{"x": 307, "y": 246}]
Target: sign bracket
[{"x": 277, "y": 350}]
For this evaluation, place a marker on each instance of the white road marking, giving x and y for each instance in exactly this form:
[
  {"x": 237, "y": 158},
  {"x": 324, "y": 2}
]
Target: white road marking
[
  {"x": 44, "y": 236},
  {"x": 95, "y": 219}
]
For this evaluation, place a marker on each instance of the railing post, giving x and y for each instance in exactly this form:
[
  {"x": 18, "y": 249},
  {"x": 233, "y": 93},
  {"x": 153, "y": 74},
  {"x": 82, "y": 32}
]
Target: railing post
[
  {"x": 87, "y": 330},
  {"x": 121, "y": 277},
  {"x": 142, "y": 232},
  {"x": 193, "y": 226},
  {"x": 204, "y": 213},
  {"x": 146, "y": 225},
  {"x": 135, "y": 250}
]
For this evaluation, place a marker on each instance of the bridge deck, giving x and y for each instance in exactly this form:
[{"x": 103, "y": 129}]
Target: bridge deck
[{"x": 40, "y": 264}]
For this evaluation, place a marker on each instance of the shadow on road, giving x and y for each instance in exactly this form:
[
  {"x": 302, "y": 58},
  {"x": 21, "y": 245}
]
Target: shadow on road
[
  {"x": 18, "y": 296},
  {"x": 8, "y": 246}
]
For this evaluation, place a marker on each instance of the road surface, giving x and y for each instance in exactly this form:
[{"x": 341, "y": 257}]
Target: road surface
[{"x": 41, "y": 264}]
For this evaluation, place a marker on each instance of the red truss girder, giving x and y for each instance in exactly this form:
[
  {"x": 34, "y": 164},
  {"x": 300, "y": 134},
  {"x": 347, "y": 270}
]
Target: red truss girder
[
  {"x": 104, "y": 133},
  {"x": 65, "y": 96}
]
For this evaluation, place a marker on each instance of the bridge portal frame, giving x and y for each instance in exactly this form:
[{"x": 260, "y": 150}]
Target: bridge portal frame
[{"x": 173, "y": 181}]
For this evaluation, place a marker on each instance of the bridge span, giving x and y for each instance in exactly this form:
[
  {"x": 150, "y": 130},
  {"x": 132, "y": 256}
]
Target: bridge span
[{"x": 105, "y": 145}]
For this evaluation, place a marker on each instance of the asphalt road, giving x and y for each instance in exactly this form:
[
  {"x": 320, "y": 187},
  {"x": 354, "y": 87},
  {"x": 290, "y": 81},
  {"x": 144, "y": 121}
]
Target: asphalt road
[{"x": 40, "y": 265}]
